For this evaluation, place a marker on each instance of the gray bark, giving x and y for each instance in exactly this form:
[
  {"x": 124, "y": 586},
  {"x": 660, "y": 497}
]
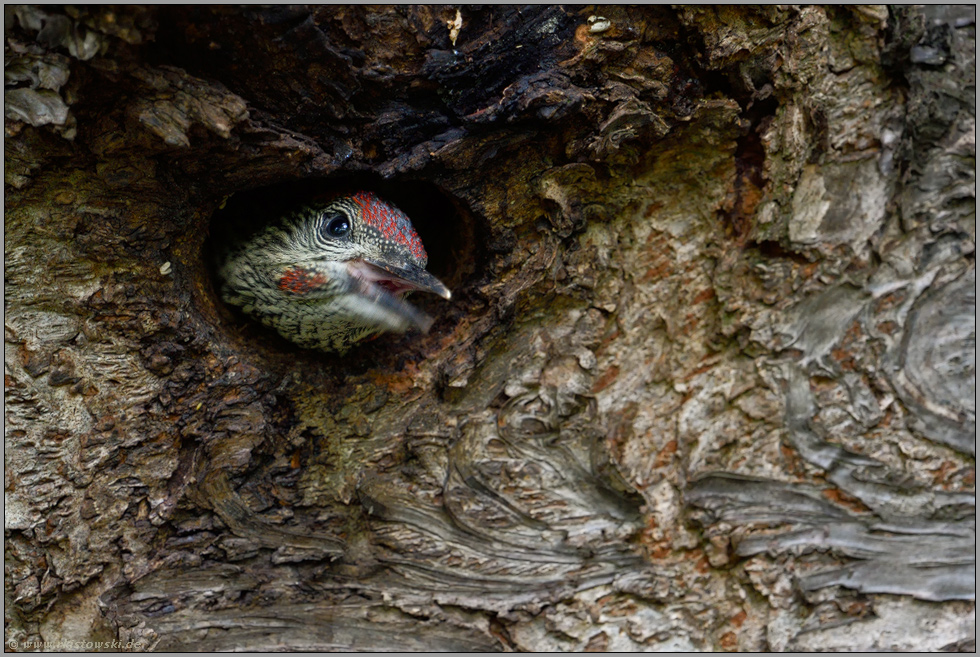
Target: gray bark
[{"x": 707, "y": 380}]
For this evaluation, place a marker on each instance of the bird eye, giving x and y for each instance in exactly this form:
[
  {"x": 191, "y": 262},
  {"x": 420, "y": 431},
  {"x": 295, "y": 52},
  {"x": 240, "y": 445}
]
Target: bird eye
[{"x": 338, "y": 226}]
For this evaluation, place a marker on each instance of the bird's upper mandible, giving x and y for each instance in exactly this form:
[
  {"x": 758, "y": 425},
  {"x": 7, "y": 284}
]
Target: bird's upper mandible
[{"x": 332, "y": 273}]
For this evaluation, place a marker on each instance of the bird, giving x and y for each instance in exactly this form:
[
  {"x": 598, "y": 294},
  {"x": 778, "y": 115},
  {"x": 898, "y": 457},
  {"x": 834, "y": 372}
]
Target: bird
[{"x": 331, "y": 273}]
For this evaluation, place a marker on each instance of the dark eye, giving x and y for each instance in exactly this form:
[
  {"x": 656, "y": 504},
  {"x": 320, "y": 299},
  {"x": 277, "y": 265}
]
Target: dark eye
[{"x": 338, "y": 226}]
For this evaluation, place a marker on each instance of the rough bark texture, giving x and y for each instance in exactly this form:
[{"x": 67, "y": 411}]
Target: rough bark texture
[{"x": 706, "y": 382}]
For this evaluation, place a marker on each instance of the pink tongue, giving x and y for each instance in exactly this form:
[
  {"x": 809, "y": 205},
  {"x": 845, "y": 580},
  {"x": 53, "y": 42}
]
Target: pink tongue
[
  {"x": 392, "y": 287},
  {"x": 377, "y": 277}
]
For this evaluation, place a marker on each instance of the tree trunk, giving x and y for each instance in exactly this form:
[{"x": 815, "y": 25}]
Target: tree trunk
[{"x": 706, "y": 381}]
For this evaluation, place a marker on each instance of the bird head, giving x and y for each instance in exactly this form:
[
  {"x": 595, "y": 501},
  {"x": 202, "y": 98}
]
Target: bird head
[{"x": 332, "y": 273}]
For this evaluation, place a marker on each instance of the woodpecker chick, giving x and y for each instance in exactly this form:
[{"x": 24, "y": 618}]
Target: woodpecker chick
[{"x": 332, "y": 273}]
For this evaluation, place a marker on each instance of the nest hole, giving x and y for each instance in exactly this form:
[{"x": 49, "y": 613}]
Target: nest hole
[{"x": 446, "y": 226}]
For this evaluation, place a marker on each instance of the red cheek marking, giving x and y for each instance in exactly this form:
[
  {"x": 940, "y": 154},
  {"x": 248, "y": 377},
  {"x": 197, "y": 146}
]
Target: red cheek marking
[
  {"x": 300, "y": 281},
  {"x": 391, "y": 223}
]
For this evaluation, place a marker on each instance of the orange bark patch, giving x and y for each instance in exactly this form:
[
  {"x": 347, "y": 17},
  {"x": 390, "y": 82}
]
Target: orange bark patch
[
  {"x": 652, "y": 209},
  {"x": 663, "y": 458},
  {"x": 888, "y": 327},
  {"x": 940, "y": 474},
  {"x": 839, "y": 497},
  {"x": 399, "y": 384},
  {"x": 844, "y": 358},
  {"x": 606, "y": 378},
  {"x": 728, "y": 641},
  {"x": 583, "y": 37},
  {"x": 794, "y": 464},
  {"x": 702, "y": 565},
  {"x": 607, "y": 340},
  {"x": 704, "y": 295},
  {"x": 890, "y": 301},
  {"x": 656, "y": 272},
  {"x": 700, "y": 369}
]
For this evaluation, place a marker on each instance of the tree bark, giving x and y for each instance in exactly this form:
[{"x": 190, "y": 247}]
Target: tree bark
[{"x": 706, "y": 381}]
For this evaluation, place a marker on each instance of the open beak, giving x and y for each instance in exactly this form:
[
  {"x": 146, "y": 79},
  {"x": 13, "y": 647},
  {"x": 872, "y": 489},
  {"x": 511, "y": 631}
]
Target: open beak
[
  {"x": 381, "y": 288},
  {"x": 398, "y": 279}
]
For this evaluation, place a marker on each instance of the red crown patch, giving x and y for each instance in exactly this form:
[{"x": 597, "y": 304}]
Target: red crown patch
[{"x": 391, "y": 222}]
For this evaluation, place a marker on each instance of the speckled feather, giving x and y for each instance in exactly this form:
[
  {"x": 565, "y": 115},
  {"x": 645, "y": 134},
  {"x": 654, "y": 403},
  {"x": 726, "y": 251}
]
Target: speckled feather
[{"x": 315, "y": 289}]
